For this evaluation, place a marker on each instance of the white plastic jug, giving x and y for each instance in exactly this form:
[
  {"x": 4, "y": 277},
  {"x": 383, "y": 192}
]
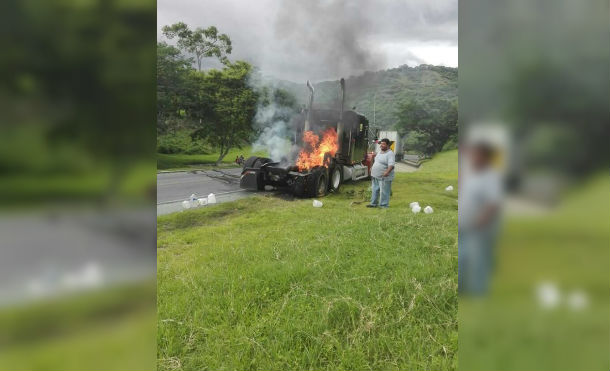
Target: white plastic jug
[
  {"x": 186, "y": 204},
  {"x": 193, "y": 200},
  {"x": 428, "y": 209},
  {"x": 202, "y": 201},
  {"x": 415, "y": 209},
  {"x": 211, "y": 198},
  {"x": 317, "y": 203},
  {"x": 449, "y": 188},
  {"x": 414, "y": 203}
]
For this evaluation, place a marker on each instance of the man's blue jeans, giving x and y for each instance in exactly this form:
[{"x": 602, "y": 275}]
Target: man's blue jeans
[
  {"x": 381, "y": 192},
  {"x": 475, "y": 259}
]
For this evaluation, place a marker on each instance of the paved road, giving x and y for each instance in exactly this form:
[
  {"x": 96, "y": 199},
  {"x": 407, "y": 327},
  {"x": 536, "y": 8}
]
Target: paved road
[
  {"x": 179, "y": 186},
  {"x": 173, "y": 188},
  {"x": 55, "y": 252}
]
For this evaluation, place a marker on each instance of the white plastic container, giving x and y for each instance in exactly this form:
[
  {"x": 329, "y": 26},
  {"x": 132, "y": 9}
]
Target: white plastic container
[
  {"x": 317, "y": 203},
  {"x": 202, "y": 201},
  {"x": 211, "y": 198},
  {"x": 449, "y": 188},
  {"x": 415, "y": 209},
  {"x": 186, "y": 204},
  {"x": 414, "y": 203},
  {"x": 428, "y": 209},
  {"x": 193, "y": 200}
]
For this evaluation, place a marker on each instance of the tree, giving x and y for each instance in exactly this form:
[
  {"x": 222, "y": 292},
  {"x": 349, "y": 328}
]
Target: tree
[
  {"x": 284, "y": 98},
  {"x": 93, "y": 93},
  {"x": 275, "y": 104},
  {"x": 200, "y": 42},
  {"x": 228, "y": 107},
  {"x": 428, "y": 126},
  {"x": 172, "y": 84}
]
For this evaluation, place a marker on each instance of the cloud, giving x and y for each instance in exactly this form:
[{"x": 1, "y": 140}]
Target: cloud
[{"x": 325, "y": 39}]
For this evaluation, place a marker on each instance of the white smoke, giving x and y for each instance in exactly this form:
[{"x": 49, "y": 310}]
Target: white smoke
[
  {"x": 274, "y": 139},
  {"x": 276, "y": 136}
]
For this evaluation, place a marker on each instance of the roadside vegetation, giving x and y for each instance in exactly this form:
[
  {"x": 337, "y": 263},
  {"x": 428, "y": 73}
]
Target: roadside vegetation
[
  {"x": 207, "y": 111},
  {"x": 201, "y": 161},
  {"x": 272, "y": 283},
  {"x": 79, "y": 331}
]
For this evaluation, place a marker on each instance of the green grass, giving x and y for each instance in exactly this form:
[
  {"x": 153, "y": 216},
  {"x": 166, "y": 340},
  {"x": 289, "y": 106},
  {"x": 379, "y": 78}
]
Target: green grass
[
  {"x": 122, "y": 344},
  {"x": 106, "y": 330},
  {"x": 180, "y": 141},
  {"x": 184, "y": 161},
  {"x": 508, "y": 330},
  {"x": 269, "y": 284},
  {"x": 35, "y": 189}
]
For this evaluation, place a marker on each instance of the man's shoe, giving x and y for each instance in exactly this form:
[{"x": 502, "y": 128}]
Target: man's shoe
[{"x": 369, "y": 205}]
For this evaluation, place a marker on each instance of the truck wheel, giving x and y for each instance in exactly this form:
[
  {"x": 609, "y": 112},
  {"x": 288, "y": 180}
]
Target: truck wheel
[
  {"x": 336, "y": 178},
  {"x": 322, "y": 184},
  {"x": 318, "y": 183}
]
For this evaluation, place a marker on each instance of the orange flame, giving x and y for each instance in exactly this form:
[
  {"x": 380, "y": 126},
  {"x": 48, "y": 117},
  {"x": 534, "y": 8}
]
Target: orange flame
[{"x": 315, "y": 149}]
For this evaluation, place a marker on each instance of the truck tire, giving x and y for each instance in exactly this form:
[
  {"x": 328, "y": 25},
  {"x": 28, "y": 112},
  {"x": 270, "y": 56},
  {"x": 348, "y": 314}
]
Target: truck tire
[
  {"x": 314, "y": 184},
  {"x": 318, "y": 183},
  {"x": 336, "y": 178}
]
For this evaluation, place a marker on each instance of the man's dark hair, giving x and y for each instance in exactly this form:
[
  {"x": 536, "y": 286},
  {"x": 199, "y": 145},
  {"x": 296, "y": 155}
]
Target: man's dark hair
[
  {"x": 386, "y": 140},
  {"x": 485, "y": 149}
]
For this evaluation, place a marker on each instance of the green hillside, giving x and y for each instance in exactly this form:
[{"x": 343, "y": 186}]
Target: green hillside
[{"x": 422, "y": 84}]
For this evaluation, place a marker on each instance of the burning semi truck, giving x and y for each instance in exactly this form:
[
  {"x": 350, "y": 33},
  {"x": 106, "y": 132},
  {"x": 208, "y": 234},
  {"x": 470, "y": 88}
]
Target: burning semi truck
[{"x": 332, "y": 146}]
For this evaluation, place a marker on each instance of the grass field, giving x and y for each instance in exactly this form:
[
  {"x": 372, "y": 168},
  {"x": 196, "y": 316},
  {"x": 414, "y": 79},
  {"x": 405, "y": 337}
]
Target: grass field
[
  {"x": 269, "y": 284},
  {"x": 183, "y": 161},
  {"x": 104, "y": 330},
  {"x": 35, "y": 189},
  {"x": 508, "y": 330}
]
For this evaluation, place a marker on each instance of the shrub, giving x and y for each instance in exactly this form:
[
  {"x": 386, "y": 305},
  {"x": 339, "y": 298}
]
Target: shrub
[{"x": 181, "y": 142}]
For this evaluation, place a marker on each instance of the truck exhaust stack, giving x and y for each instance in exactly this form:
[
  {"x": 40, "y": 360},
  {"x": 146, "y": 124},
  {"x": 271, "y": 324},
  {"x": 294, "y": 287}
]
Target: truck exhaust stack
[
  {"x": 307, "y": 126},
  {"x": 340, "y": 126}
]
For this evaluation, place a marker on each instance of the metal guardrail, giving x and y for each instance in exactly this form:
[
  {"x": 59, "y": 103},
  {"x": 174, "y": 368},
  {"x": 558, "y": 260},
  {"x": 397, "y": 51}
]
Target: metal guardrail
[{"x": 413, "y": 160}]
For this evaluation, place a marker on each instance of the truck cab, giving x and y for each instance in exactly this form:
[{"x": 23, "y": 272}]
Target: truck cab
[{"x": 351, "y": 161}]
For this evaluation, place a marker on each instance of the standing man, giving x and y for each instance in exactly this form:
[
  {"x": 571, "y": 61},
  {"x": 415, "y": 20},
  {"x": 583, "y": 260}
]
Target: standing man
[
  {"x": 479, "y": 214},
  {"x": 382, "y": 174}
]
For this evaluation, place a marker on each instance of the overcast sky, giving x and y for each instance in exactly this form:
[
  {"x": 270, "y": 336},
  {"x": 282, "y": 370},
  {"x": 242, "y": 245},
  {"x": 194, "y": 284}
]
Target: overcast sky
[{"x": 325, "y": 39}]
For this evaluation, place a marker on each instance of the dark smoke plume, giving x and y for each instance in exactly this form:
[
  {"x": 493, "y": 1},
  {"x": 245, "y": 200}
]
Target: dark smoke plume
[{"x": 336, "y": 33}]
